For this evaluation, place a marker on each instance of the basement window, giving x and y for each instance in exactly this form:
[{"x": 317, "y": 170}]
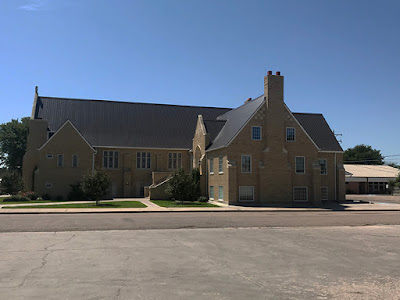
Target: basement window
[
  {"x": 246, "y": 193},
  {"x": 211, "y": 193},
  {"x": 300, "y": 194},
  {"x": 324, "y": 193}
]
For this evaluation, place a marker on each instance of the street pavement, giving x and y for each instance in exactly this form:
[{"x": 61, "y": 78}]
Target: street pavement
[
  {"x": 357, "y": 263},
  {"x": 179, "y": 220}
]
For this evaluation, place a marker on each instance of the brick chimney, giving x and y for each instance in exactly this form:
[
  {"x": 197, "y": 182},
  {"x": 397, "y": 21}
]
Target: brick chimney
[{"x": 273, "y": 92}]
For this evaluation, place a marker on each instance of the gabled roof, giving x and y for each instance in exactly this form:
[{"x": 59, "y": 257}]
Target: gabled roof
[
  {"x": 126, "y": 124},
  {"x": 314, "y": 125},
  {"x": 371, "y": 171}
]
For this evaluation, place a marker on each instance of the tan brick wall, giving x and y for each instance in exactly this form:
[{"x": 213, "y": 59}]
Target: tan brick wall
[{"x": 217, "y": 179}]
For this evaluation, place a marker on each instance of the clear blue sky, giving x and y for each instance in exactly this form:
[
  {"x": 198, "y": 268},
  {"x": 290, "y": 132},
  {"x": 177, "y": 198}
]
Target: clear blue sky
[{"x": 340, "y": 58}]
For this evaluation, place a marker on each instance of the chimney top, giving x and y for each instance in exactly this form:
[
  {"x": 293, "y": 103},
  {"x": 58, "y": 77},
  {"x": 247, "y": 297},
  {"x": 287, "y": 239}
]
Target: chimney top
[
  {"x": 36, "y": 90},
  {"x": 269, "y": 73},
  {"x": 278, "y": 73}
]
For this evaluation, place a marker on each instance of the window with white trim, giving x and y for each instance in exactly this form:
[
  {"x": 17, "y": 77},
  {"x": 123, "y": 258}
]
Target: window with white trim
[
  {"x": 211, "y": 165},
  {"x": 256, "y": 133},
  {"x": 290, "y": 134},
  {"x": 49, "y": 156},
  {"x": 211, "y": 193},
  {"x": 300, "y": 165},
  {"x": 220, "y": 165},
  {"x": 324, "y": 193},
  {"x": 174, "y": 160},
  {"x": 60, "y": 160},
  {"x": 246, "y": 163},
  {"x": 143, "y": 160},
  {"x": 110, "y": 159},
  {"x": 75, "y": 160},
  {"x": 246, "y": 193},
  {"x": 324, "y": 166},
  {"x": 221, "y": 193},
  {"x": 300, "y": 193}
]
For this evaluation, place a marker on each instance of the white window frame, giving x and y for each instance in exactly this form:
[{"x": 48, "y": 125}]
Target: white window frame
[
  {"x": 49, "y": 156},
  {"x": 326, "y": 165},
  {"x": 294, "y": 134},
  {"x": 304, "y": 165},
  {"x": 147, "y": 160},
  {"x": 220, "y": 165},
  {"x": 115, "y": 154},
  {"x": 220, "y": 188},
  {"x": 77, "y": 161},
  {"x": 300, "y": 187},
  {"x": 211, "y": 195},
  {"x": 212, "y": 165},
  {"x": 327, "y": 193},
  {"x": 58, "y": 160},
  {"x": 177, "y": 160},
  {"x": 252, "y": 137},
  {"x": 241, "y": 188},
  {"x": 241, "y": 163}
]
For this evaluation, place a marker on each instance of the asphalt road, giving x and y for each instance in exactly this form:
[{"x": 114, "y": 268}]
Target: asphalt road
[
  {"x": 179, "y": 220},
  {"x": 357, "y": 263}
]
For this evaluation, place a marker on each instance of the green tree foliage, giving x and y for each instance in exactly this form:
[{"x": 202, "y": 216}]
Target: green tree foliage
[
  {"x": 183, "y": 186},
  {"x": 96, "y": 184},
  {"x": 13, "y": 136},
  {"x": 363, "y": 155},
  {"x": 11, "y": 183}
]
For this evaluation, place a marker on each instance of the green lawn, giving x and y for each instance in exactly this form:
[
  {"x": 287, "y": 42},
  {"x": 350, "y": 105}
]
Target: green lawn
[
  {"x": 172, "y": 203},
  {"x": 116, "y": 204},
  {"x": 31, "y": 201}
]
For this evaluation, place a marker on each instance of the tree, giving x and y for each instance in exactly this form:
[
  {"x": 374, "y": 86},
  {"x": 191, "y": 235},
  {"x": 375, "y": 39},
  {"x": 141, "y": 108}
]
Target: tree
[
  {"x": 11, "y": 183},
  {"x": 13, "y": 136},
  {"x": 96, "y": 184},
  {"x": 363, "y": 155},
  {"x": 183, "y": 186}
]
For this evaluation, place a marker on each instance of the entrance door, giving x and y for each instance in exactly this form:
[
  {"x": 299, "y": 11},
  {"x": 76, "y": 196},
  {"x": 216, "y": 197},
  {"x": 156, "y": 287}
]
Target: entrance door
[
  {"x": 114, "y": 191},
  {"x": 140, "y": 190}
]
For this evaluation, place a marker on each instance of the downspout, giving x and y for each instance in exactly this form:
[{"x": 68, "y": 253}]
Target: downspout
[{"x": 335, "y": 177}]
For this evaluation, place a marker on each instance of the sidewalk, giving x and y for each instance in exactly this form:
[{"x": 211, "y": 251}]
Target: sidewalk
[{"x": 151, "y": 207}]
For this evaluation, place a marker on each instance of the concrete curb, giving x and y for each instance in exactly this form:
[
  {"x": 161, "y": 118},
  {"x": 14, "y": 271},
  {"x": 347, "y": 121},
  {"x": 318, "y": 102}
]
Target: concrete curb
[{"x": 62, "y": 211}]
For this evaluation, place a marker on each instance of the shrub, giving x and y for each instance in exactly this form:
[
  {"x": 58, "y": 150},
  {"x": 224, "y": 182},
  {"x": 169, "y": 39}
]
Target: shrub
[
  {"x": 183, "y": 186},
  {"x": 11, "y": 183},
  {"x": 46, "y": 197},
  {"x": 17, "y": 198},
  {"x": 202, "y": 199},
  {"x": 76, "y": 192},
  {"x": 96, "y": 184},
  {"x": 31, "y": 195}
]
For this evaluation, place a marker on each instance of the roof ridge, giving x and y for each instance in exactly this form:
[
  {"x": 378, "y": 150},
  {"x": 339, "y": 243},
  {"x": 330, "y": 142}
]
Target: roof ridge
[{"x": 128, "y": 102}]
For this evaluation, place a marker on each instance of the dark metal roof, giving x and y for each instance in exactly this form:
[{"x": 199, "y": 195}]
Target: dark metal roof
[
  {"x": 235, "y": 120},
  {"x": 319, "y": 131},
  {"x": 127, "y": 124}
]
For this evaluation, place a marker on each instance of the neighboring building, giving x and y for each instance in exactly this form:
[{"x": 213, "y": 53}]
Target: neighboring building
[
  {"x": 260, "y": 152},
  {"x": 369, "y": 179}
]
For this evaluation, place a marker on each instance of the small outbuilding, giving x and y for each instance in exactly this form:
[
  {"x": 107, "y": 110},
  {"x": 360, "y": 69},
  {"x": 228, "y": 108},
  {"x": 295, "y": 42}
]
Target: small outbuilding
[{"x": 369, "y": 179}]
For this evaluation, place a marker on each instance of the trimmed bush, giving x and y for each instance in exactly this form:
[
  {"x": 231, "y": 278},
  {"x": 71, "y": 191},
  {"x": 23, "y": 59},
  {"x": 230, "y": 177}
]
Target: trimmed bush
[
  {"x": 31, "y": 195},
  {"x": 17, "y": 198}
]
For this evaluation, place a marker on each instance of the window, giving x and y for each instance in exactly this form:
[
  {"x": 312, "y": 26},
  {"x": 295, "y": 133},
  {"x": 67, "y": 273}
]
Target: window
[
  {"x": 174, "y": 160},
  {"x": 211, "y": 193},
  {"x": 256, "y": 133},
  {"x": 324, "y": 166},
  {"x": 220, "y": 165},
  {"x": 143, "y": 160},
  {"x": 211, "y": 165},
  {"x": 48, "y": 185},
  {"x": 300, "y": 165},
  {"x": 60, "y": 160},
  {"x": 110, "y": 159},
  {"x": 246, "y": 164},
  {"x": 300, "y": 193},
  {"x": 75, "y": 160},
  {"x": 221, "y": 193},
  {"x": 49, "y": 156},
  {"x": 290, "y": 134},
  {"x": 246, "y": 193},
  {"x": 324, "y": 193}
]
